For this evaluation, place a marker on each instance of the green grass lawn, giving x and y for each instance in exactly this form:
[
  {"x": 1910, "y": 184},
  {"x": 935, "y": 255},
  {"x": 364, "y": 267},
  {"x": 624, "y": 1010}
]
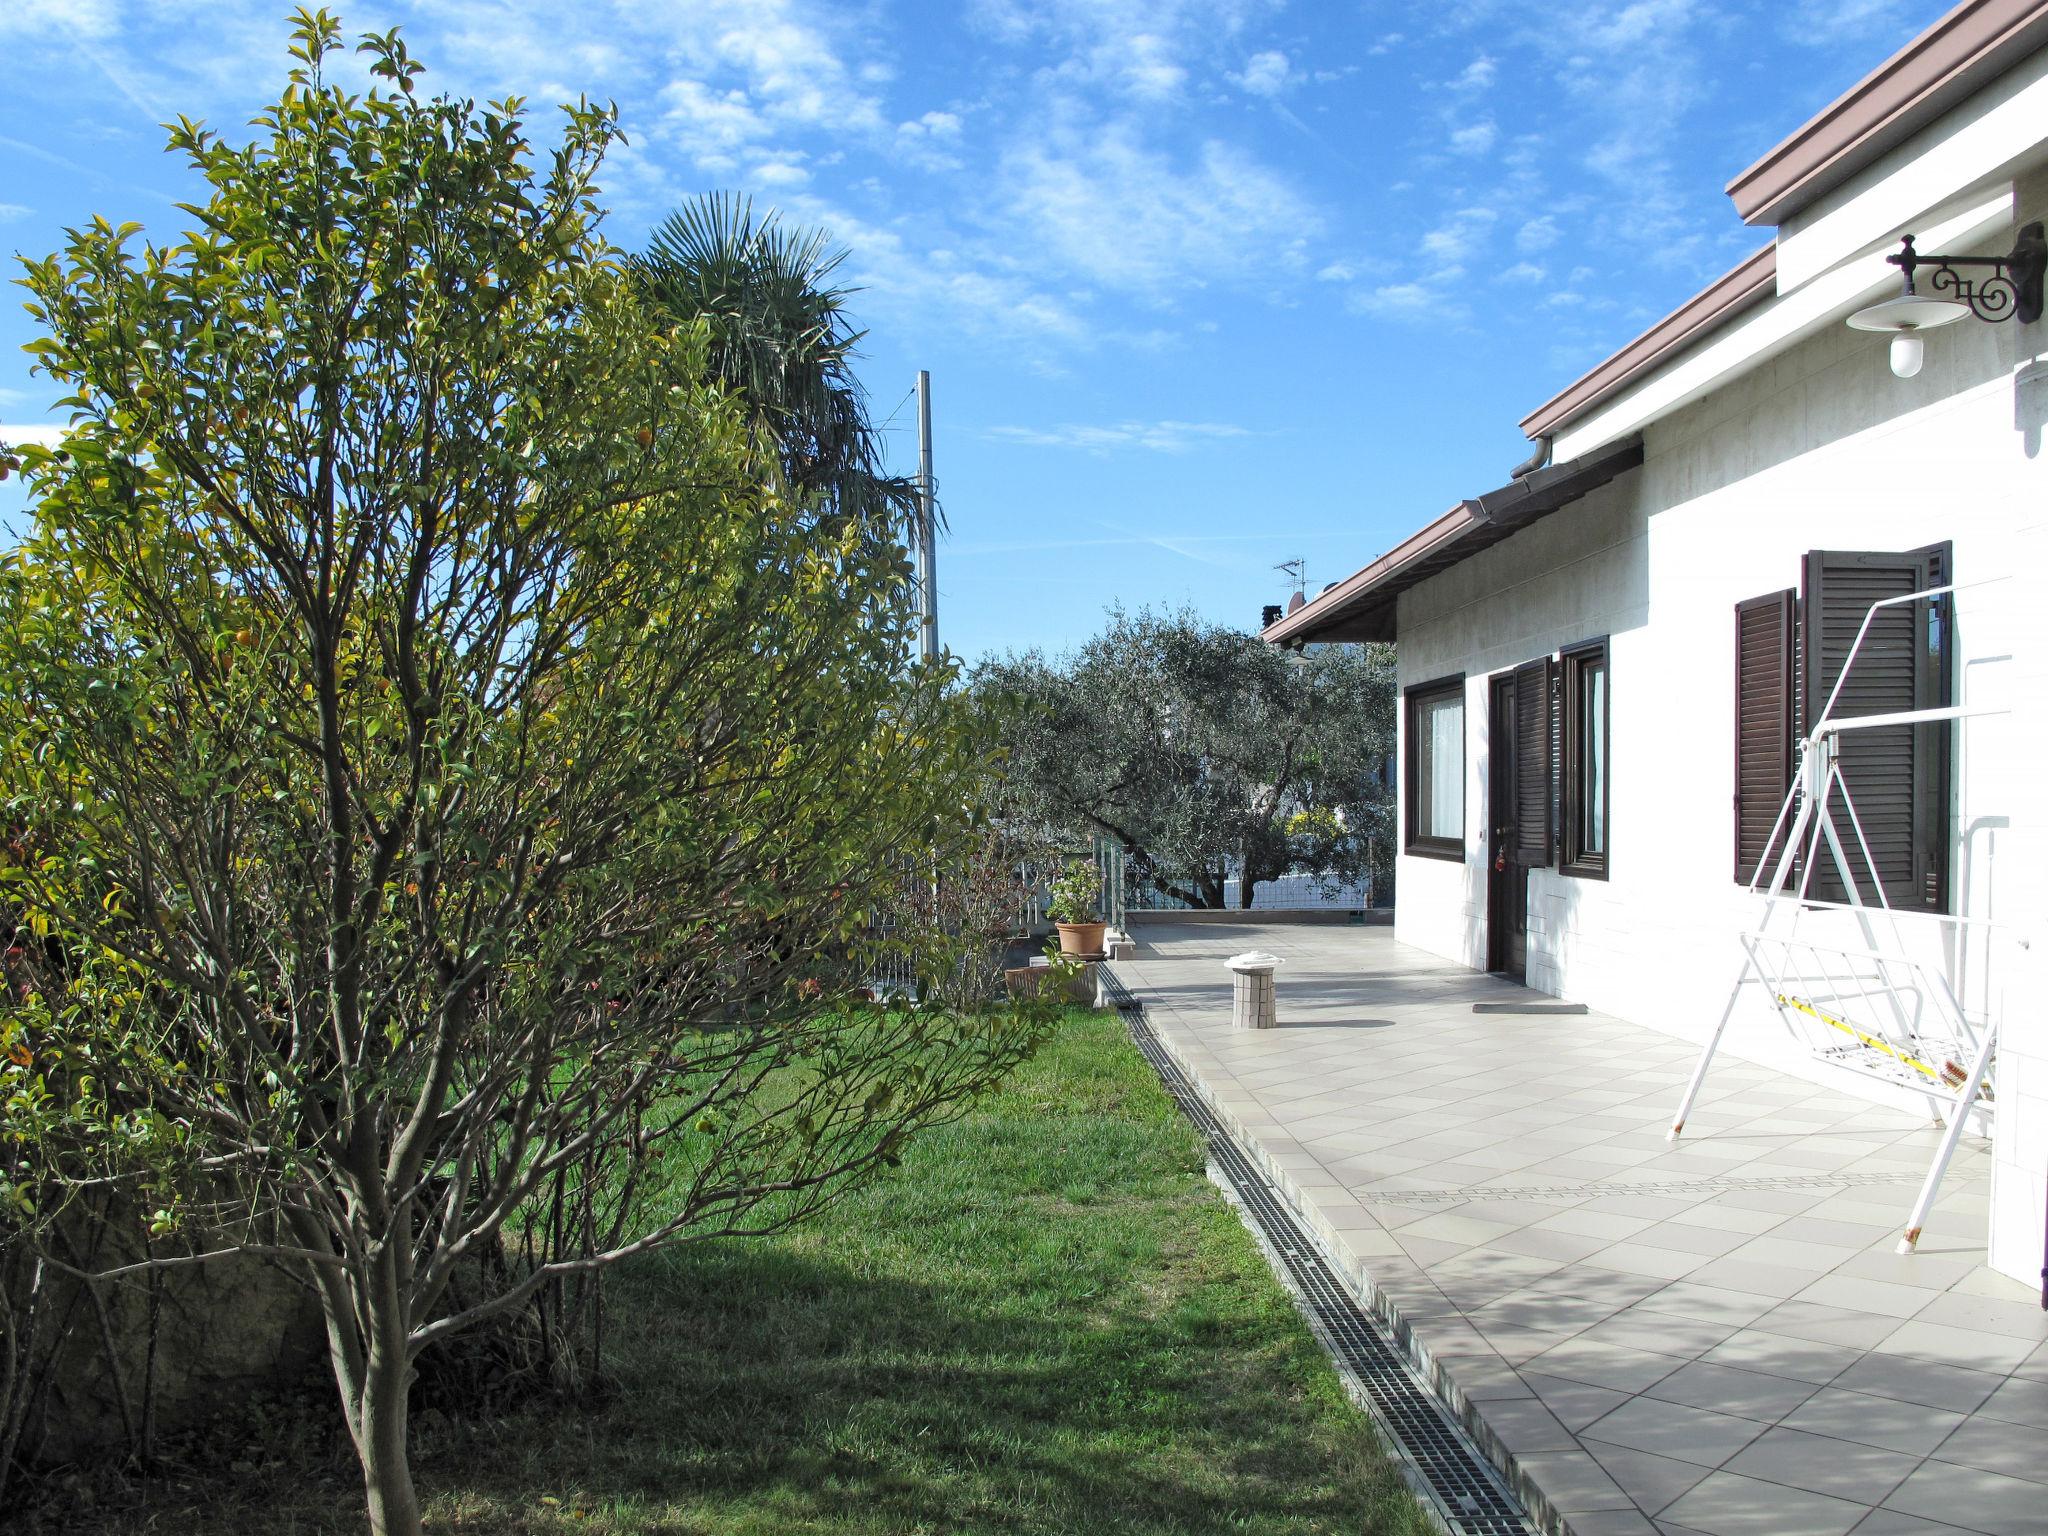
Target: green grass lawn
[{"x": 1047, "y": 1321}]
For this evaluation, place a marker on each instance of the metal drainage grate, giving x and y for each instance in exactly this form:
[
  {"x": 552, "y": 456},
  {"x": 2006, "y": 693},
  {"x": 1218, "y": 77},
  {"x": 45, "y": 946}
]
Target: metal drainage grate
[{"x": 1469, "y": 1496}]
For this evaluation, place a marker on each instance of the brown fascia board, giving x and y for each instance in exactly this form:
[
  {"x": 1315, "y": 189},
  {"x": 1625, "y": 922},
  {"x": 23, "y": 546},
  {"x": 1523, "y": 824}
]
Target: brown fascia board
[
  {"x": 1962, "y": 52},
  {"x": 1359, "y": 607},
  {"x": 1749, "y": 284},
  {"x": 1327, "y": 606}
]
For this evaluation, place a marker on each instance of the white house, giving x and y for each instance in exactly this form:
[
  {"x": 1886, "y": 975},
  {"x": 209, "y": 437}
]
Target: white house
[{"x": 1665, "y": 595}]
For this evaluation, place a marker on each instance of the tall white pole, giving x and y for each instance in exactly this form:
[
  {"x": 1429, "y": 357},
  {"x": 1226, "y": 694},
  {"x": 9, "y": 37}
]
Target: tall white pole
[{"x": 928, "y": 530}]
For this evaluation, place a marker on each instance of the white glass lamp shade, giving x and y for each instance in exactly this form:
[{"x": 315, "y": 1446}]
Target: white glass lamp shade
[{"x": 1908, "y": 352}]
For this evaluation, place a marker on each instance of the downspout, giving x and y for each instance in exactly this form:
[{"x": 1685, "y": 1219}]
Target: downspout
[{"x": 1535, "y": 461}]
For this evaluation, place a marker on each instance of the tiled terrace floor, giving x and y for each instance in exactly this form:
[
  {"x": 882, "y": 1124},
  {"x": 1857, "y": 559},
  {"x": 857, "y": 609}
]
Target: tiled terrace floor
[{"x": 1711, "y": 1338}]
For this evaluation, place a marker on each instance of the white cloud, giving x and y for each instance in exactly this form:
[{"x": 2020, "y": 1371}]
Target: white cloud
[
  {"x": 1479, "y": 75},
  {"x": 782, "y": 171},
  {"x": 1539, "y": 234},
  {"x": 1474, "y": 138},
  {"x": 1149, "y": 436},
  {"x": 1524, "y": 272},
  {"x": 67, "y": 18},
  {"x": 911, "y": 267},
  {"x": 929, "y": 141},
  {"x": 1114, "y": 210},
  {"x": 21, "y": 436},
  {"x": 1149, "y": 69},
  {"x": 14, "y": 211},
  {"x": 1824, "y": 23},
  {"x": 1145, "y": 50},
  {"x": 1266, "y": 74},
  {"x": 710, "y": 126},
  {"x": 1410, "y": 302},
  {"x": 1337, "y": 272},
  {"x": 1451, "y": 242},
  {"x": 755, "y": 74}
]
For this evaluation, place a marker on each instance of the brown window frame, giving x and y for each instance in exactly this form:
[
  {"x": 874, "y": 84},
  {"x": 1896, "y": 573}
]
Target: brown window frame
[
  {"x": 1573, "y": 856},
  {"x": 1415, "y": 844}
]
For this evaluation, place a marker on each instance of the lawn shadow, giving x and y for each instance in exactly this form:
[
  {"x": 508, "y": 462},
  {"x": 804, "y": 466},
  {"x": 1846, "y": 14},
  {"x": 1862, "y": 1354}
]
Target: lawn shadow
[{"x": 755, "y": 1379}]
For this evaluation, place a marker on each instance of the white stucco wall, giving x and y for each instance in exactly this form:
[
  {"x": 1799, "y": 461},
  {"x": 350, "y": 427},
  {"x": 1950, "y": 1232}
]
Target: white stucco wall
[{"x": 1820, "y": 448}]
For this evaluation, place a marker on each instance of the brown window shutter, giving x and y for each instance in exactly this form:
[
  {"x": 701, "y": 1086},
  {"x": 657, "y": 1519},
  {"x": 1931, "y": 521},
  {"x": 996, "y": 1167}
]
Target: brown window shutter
[
  {"x": 1765, "y": 742},
  {"x": 1897, "y": 775},
  {"x": 1533, "y": 760}
]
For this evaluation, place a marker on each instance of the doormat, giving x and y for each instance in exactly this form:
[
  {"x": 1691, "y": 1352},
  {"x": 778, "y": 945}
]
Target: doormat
[{"x": 1528, "y": 1007}]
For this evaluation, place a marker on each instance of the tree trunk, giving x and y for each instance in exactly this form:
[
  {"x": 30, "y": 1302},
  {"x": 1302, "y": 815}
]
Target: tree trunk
[
  {"x": 374, "y": 1376},
  {"x": 1245, "y": 886},
  {"x": 387, "y": 1464}
]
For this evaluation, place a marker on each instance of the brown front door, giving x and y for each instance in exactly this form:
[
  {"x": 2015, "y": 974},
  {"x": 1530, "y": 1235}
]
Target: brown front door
[{"x": 1507, "y": 881}]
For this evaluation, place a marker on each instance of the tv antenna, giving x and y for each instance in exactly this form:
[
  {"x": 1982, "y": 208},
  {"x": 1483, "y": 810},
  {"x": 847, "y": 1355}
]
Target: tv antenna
[{"x": 1297, "y": 574}]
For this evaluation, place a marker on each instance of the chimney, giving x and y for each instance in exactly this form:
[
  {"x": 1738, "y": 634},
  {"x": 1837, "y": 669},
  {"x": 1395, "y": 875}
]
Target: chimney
[{"x": 1269, "y": 616}]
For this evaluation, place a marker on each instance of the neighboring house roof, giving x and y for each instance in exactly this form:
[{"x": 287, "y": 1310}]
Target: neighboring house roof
[
  {"x": 1968, "y": 48},
  {"x": 1361, "y": 607}
]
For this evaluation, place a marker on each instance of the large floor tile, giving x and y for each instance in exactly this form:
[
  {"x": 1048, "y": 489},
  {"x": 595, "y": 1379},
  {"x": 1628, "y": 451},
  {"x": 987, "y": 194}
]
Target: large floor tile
[
  {"x": 1729, "y": 1504},
  {"x": 1987, "y": 1502},
  {"x": 1676, "y": 1430},
  {"x": 1992, "y": 1445},
  {"x": 1726, "y": 1389},
  {"x": 2019, "y": 1401},
  {"x": 1912, "y": 1429},
  {"x": 1652, "y": 1481},
  {"x": 1819, "y": 1464}
]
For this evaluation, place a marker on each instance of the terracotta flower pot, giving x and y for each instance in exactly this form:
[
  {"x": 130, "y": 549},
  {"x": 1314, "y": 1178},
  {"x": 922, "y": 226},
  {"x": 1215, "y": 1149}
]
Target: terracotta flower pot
[{"x": 1083, "y": 939}]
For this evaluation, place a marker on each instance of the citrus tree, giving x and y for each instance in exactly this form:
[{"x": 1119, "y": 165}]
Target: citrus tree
[{"x": 442, "y": 763}]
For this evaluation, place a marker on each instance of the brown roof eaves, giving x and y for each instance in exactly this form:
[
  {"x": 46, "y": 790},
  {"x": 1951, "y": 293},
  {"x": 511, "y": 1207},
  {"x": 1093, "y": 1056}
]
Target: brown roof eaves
[
  {"x": 1749, "y": 284},
  {"x": 1963, "y": 51},
  {"x": 1361, "y": 607}
]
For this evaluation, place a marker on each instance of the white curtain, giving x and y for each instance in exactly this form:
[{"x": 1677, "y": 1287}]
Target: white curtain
[{"x": 1446, "y": 790}]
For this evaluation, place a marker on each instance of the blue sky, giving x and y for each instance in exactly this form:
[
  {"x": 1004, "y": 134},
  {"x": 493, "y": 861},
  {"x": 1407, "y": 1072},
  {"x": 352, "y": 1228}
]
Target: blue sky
[{"x": 1204, "y": 285}]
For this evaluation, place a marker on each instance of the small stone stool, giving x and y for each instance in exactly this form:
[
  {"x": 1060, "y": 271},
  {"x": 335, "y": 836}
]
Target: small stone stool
[{"x": 1252, "y": 1002}]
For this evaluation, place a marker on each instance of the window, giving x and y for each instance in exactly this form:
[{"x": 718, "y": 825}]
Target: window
[
  {"x": 1790, "y": 656},
  {"x": 1583, "y": 792},
  {"x": 1436, "y": 769}
]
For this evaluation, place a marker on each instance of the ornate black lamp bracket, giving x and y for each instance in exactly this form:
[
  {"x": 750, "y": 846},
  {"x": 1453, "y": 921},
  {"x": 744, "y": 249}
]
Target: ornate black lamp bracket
[{"x": 2010, "y": 288}]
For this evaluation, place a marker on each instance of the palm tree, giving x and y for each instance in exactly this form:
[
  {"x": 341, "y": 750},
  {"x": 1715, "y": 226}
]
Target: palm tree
[{"x": 782, "y": 341}]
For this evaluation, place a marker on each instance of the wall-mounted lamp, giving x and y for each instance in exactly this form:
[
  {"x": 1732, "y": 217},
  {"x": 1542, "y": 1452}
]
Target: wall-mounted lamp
[{"x": 2011, "y": 290}]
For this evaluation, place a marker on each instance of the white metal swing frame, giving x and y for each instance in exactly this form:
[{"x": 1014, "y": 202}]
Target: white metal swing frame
[{"x": 1923, "y": 1034}]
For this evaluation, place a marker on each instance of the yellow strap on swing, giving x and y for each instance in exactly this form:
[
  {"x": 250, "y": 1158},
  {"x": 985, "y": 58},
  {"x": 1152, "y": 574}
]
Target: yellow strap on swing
[{"x": 1870, "y": 1040}]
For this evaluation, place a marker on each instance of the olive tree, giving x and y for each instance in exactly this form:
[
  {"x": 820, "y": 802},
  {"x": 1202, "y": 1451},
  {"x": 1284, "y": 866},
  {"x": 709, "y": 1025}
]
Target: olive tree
[
  {"x": 442, "y": 762},
  {"x": 1205, "y": 751}
]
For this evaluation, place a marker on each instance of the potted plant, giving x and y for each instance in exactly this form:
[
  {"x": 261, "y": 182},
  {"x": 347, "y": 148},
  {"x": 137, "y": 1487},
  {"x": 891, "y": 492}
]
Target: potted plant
[{"x": 1072, "y": 909}]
